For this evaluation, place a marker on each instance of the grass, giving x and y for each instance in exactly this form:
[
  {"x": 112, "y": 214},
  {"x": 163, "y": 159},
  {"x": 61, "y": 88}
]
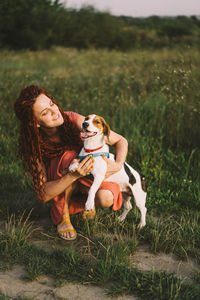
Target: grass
[
  {"x": 176, "y": 234},
  {"x": 104, "y": 263},
  {"x": 150, "y": 97}
]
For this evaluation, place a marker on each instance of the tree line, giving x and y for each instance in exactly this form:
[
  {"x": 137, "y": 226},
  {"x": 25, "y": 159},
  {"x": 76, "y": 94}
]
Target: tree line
[{"x": 40, "y": 24}]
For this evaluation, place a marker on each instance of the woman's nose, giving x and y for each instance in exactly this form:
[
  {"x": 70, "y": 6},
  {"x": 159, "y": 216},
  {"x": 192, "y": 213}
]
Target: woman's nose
[{"x": 53, "y": 111}]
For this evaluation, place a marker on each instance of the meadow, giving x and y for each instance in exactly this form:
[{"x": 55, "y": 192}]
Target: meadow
[{"x": 151, "y": 97}]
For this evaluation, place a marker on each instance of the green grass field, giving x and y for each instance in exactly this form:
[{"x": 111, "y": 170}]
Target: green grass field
[{"x": 151, "y": 98}]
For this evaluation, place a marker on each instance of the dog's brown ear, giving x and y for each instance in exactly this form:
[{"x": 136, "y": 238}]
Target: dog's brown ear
[{"x": 106, "y": 128}]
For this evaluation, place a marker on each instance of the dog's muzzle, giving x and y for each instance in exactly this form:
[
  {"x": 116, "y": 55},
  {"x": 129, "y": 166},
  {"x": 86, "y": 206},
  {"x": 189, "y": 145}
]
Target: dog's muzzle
[{"x": 85, "y": 125}]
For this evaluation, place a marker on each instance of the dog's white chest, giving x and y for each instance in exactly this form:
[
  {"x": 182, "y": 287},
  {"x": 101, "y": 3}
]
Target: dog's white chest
[{"x": 100, "y": 166}]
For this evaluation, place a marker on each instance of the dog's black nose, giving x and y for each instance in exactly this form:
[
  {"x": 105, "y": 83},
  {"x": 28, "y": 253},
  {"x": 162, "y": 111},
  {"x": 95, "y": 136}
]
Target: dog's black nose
[{"x": 85, "y": 124}]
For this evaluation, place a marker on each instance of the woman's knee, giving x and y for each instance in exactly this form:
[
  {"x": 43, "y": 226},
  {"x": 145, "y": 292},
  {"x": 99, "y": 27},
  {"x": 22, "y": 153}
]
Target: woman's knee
[{"x": 104, "y": 198}]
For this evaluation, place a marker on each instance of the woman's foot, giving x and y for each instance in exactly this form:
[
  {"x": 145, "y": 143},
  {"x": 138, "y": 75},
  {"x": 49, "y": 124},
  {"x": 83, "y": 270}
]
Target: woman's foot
[{"x": 65, "y": 229}]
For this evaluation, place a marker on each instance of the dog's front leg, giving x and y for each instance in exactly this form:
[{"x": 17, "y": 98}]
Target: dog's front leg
[
  {"x": 98, "y": 172},
  {"x": 89, "y": 205},
  {"x": 73, "y": 166}
]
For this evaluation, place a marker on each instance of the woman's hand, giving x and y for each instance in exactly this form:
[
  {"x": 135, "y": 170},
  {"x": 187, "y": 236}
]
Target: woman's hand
[
  {"x": 112, "y": 166},
  {"x": 84, "y": 168}
]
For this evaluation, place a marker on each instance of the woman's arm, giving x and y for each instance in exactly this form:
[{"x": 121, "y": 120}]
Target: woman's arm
[
  {"x": 121, "y": 149},
  {"x": 56, "y": 187}
]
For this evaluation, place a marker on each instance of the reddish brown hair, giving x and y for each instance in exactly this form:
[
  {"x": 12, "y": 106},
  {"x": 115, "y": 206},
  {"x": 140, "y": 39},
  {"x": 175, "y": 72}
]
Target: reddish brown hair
[{"x": 34, "y": 145}]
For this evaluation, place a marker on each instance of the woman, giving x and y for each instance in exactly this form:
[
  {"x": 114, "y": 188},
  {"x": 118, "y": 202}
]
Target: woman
[{"x": 49, "y": 140}]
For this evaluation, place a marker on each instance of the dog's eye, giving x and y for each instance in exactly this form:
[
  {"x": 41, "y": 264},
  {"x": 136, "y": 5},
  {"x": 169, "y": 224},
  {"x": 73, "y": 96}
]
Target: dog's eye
[{"x": 97, "y": 122}]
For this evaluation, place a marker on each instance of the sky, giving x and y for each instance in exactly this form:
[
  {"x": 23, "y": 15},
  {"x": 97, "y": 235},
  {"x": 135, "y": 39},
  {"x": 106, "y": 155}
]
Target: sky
[{"x": 141, "y": 8}]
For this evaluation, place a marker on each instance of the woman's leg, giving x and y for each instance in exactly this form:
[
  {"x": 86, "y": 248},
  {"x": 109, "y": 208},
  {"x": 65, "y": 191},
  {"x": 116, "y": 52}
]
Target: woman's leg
[
  {"x": 104, "y": 198},
  {"x": 65, "y": 228}
]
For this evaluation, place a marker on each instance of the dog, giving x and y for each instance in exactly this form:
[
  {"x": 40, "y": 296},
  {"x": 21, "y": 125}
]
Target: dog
[{"x": 94, "y": 128}]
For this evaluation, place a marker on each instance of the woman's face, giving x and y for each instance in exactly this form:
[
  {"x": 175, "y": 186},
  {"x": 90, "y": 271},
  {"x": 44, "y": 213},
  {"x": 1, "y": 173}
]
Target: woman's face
[{"x": 46, "y": 112}]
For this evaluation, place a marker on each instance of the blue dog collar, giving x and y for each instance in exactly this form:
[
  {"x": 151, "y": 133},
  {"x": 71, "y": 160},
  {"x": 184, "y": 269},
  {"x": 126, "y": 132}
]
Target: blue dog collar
[{"x": 93, "y": 155}]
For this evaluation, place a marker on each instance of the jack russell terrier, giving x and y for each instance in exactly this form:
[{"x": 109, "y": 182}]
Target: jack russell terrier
[{"x": 94, "y": 128}]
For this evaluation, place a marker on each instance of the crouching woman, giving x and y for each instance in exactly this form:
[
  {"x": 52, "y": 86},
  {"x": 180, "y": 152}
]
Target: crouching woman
[{"x": 49, "y": 140}]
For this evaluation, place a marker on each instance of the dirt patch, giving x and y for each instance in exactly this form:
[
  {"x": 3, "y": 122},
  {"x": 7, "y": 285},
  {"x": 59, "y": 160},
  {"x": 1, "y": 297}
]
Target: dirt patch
[
  {"x": 146, "y": 261},
  {"x": 13, "y": 285}
]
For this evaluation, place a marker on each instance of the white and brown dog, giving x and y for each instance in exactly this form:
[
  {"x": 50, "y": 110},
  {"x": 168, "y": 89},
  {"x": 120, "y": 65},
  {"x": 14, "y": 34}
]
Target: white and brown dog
[{"x": 94, "y": 128}]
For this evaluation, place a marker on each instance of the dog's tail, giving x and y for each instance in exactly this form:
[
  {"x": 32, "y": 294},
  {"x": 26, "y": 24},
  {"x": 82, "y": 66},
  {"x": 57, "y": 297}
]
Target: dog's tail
[{"x": 143, "y": 183}]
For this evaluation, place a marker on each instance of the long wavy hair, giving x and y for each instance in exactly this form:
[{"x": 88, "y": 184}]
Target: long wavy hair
[{"x": 34, "y": 146}]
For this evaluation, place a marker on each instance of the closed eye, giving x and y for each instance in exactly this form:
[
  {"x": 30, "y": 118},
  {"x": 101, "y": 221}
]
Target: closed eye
[{"x": 44, "y": 112}]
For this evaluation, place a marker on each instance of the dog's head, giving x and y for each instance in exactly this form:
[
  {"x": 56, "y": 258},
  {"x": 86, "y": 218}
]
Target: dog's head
[{"x": 94, "y": 125}]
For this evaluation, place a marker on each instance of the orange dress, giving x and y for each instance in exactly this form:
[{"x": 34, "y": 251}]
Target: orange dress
[{"x": 61, "y": 162}]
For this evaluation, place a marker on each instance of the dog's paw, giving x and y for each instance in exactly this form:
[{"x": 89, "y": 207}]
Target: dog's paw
[
  {"x": 121, "y": 218},
  {"x": 73, "y": 167},
  {"x": 89, "y": 214},
  {"x": 141, "y": 225},
  {"x": 89, "y": 206}
]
